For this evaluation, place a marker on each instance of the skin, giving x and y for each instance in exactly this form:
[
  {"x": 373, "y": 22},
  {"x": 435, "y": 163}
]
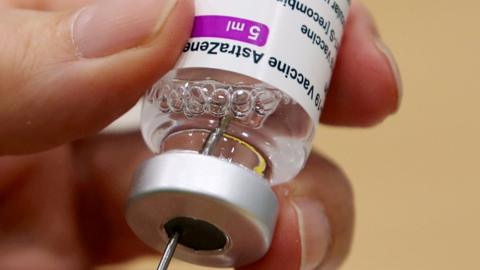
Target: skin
[{"x": 63, "y": 188}]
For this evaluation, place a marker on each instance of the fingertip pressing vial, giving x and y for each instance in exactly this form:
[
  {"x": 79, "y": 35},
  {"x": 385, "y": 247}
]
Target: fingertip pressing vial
[{"x": 235, "y": 116}]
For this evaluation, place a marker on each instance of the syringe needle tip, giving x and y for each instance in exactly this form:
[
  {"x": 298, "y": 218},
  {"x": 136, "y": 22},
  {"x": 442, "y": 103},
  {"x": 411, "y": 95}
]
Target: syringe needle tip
[{"x": 169, "y": 251}]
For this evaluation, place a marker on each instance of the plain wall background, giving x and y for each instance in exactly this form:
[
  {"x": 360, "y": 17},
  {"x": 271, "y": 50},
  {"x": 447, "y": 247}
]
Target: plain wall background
[{"x": 416, "y": 177}]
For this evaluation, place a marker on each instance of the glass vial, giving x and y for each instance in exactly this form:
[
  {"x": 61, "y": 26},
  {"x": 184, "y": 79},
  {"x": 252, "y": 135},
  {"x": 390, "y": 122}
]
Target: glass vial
[{"x": 236, "y": 115}]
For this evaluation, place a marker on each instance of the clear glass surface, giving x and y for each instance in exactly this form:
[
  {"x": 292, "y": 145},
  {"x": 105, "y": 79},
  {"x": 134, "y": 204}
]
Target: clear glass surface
[{"x": 267, "y": 131}]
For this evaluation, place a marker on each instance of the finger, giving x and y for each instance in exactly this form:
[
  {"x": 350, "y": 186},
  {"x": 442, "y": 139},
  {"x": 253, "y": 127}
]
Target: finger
[
  {"x": 38, "y": 229},
  {"x": 314, "y": 229},
  {"x": 366, "y": 85},
  {"x": 66, "y": 75},
  {"x": 108, "y": 164},
  {"x": 64, "y": 5},
  {"x": 45, "y": 5},
  {"x": 78, "y": 221}
]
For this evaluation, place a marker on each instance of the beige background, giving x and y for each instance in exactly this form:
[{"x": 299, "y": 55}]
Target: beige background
[{"x": 416, "y": 177}]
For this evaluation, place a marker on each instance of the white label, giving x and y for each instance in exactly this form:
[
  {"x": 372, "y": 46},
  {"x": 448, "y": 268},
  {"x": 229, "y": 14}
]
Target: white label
[{"x": 289, "y": 44}]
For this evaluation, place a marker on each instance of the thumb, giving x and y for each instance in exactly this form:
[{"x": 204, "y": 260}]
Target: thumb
[{"x": 65, "y": 75}]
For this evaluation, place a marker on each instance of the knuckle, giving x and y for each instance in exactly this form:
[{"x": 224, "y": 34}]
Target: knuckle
[
  {"x": 324, "y": 171},
  {"x": 30, "y": 47},
  {"x": 17, "y": 51}
]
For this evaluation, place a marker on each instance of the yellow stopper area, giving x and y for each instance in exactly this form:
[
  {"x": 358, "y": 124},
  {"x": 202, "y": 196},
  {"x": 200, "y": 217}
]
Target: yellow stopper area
[{"x": 262, "y": 163}]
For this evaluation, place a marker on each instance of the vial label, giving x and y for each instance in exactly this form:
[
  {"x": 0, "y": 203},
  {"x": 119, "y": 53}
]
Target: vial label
[{"x": 289, "y": 44}]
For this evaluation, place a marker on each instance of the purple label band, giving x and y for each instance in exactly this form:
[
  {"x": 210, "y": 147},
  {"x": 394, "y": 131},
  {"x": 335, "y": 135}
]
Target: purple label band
[{"x": 231, "y": 28}]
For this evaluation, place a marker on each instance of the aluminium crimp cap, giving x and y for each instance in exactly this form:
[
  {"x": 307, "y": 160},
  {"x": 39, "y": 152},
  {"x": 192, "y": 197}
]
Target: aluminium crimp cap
[{"x": 225, "y": 212}]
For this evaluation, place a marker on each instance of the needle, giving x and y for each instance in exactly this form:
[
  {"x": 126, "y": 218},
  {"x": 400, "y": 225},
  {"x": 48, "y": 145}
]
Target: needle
[
  {"x": 216, "y": 135},
  {"x": 169, "y": 251}
]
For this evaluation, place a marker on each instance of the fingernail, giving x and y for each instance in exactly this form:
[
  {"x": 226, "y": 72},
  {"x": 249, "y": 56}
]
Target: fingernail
[
  {"x": 315, "y": 233},
  {"x": 394, "y": 67},
  {"x": 110, "y": 26}
]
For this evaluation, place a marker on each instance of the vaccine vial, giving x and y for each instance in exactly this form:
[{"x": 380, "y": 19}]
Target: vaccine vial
[{"x": 235, "y": 116}]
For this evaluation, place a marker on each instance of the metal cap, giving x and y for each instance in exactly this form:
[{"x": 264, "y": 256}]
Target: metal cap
[{"x": 234, "y": 208}]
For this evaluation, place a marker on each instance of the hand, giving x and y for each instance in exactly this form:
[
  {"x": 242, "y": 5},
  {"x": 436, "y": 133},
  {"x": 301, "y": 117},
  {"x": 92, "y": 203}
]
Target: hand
[{"x": 63, "y": 78}]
